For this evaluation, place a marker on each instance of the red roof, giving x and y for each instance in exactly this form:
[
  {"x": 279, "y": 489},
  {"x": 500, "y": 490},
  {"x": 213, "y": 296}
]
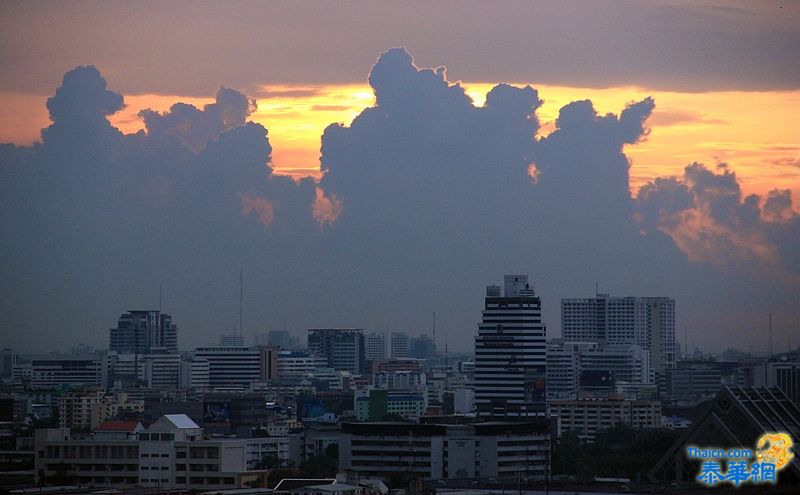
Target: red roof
[{"x": 118, "y": 426}]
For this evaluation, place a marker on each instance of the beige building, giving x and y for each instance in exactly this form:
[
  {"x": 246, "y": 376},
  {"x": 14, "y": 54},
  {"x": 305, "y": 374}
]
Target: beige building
[{"x": 587, "y": 416}]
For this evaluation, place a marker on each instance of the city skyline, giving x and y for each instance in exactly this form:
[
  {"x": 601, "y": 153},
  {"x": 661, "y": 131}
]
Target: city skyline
[{"x": 426, "y": 184}]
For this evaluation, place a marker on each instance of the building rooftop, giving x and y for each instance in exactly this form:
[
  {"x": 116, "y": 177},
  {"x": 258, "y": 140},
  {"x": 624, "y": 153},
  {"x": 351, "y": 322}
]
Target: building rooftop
[
  {"x": 119, "y": 426},
  {"x": 181, "y": 421}
]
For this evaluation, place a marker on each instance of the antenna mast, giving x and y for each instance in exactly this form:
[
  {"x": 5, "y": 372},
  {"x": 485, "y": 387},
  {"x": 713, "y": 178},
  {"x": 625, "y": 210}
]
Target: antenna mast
[
  {"x": 434, "y": 333},
  {"x": 241, "y": 304},
  {"x": 770, "y": 334}
]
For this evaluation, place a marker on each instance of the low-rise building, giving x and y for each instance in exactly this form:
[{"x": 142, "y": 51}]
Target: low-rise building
[
  {"x": 587, "y": 416},
  {"x": 500, "y": 450}
]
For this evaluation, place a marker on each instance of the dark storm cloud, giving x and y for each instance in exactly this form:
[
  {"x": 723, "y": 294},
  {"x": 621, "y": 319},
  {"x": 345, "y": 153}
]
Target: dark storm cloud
[{"x": 425, "y": 199}]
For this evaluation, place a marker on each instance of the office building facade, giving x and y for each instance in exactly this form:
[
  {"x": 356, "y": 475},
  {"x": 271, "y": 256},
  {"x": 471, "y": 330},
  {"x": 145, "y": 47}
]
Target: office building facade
[
  {"x": 375, "y": 346},
  {"x": 343, "y": 348},
  {"x": 144, "y": 332},
  {"x": 510, "y": 349}
]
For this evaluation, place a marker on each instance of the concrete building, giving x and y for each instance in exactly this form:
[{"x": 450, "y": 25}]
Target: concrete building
[
  {"x": 375, "y": 346},
  {"x": 8, "y": 359},
  {"x": 399, "y": 380},
  {"x": 231, "y": 366},
  {"x": 144, "y": 332},
  {"x": 70, "y": 371},
  {"x": 379, "y": 403},
  {"x": 585, "y": 417},
  {"x": 88, "y": 408},
  {"x": 394, "y": 365},
  {"x": 648, "y": 322},
  {"x": 399, "y": 345},
  {"x": 626, "y": 362},
  {"x": 149, "y": 370},
  {"x": 61, "y": 460},
  {"x": 510, "y": 364},
  {"x": 693, "y": 381},
  {"x": 296, "y": 364},
  {"x": 781, "y": 372},
  {"x": 500, "y": 450},
  {"x": 343, "y": 348}
]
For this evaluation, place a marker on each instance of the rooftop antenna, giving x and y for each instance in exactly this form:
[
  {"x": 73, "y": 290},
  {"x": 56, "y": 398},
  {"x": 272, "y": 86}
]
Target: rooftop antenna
[
  {"x": 770, "y": 334},
  {"x": 241, "y": 299},
  {"x": 434, "y": 332},
  {"x": 159, "y": 298},
  {"x": 686, "y": 339},
  {"x": 596, "y": 288}
]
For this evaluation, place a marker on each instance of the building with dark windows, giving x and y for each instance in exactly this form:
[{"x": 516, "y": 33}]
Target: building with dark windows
[
  {"x": 144, "y": 332},
  {"x": 501, "y": 450},
  {"x": 343, "y": 348},
  {"x": 510, "y": 366}
]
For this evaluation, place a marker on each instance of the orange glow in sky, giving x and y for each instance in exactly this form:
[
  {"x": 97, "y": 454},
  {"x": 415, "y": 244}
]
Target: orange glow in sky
[{"x": 756, "y": 133}]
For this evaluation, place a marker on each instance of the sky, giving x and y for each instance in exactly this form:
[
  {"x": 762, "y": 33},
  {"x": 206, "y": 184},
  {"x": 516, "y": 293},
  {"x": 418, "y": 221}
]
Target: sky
[{"x": 368, "y": 163}]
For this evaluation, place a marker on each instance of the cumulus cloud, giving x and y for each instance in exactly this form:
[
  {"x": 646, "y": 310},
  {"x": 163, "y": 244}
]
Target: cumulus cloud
[
  {"x": 326, "y": 209},
  {"x": 255, "y": 204},
  {"x": 424, "y": 199},
  {"x": 707, "y": 215},
  {"x": 195, "y": 127}
]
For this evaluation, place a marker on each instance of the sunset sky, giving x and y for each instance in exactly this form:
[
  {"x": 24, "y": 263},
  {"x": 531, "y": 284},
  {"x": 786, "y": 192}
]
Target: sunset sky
[{"x": 724, "y": 77}]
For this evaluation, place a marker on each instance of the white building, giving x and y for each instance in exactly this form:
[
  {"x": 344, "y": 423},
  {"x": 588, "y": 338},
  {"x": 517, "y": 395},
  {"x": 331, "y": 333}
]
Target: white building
[
  {"x": 510, "y": 365},
  {"x": 231, "y": 366},
  {"x": 375, "y": 346},
  {"x": 71, "y": 371},
  {"x": 296, "y": 364},
  {"x": 196, "y": 374},
  {"x": 399, "y": 345},
  {"x": 170, "y": 455},
  {"x": 587, "y": 416},
  {"x": 463, "y": 401},
  {"x": 501, "y": 450},
  {"x": 400, "y": 380},
  {"x": 626, "y": 362},
  {"x": 152, "y": 370},
  {"x": 648, "y": 322}
]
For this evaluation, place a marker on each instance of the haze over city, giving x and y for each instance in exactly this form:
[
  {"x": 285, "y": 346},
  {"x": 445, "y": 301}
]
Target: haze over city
[{"x": 324, "y": 151}]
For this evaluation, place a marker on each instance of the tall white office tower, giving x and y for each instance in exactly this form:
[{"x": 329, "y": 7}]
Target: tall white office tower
[
  {"x": 374, "y": 346},
  {"x": 399, "y": 345},
  {"x": 510, "y": 352},
  {"x": 648, "y": 322}
]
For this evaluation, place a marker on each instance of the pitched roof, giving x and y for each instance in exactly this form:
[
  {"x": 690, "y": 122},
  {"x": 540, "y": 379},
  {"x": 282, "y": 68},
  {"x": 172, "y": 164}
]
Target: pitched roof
[
  {"x": 735, "y": 418},
  {"x": 118, "y": 426},
  {"x": 181, "y": 421},
  {"x": 289, "y": 484}
]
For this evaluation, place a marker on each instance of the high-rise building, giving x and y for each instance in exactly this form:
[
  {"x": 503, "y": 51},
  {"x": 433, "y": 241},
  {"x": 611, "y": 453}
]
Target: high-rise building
[
  {"x": 648, "y": 322},
  {"x": 144, "y": 332},
  {"x": 375, "y": 346},
  {"x": 343, "y": 348},
  {"x": 399, "y": 345},
  {"x": 510, "y": 349},
  {"x": 8, "y": 359}
]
